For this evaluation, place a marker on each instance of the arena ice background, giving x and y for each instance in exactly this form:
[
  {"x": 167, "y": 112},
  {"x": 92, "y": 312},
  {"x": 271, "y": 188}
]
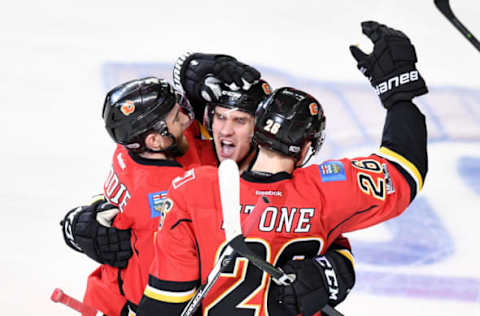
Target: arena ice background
[{"x": 58, "y": 58}]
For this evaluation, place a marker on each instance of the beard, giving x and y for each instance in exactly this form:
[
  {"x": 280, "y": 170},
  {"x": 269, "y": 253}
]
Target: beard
[{"x": 181, "y": 147}]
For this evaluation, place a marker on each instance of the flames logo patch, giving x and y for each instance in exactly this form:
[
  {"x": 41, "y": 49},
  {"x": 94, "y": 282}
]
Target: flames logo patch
[
  {"x": 128, "y": 107},
  {"x": 313, "y": 108},
  {"x": 266, "y": 88}
]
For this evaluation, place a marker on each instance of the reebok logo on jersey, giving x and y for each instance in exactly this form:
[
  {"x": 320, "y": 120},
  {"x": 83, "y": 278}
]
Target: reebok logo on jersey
[
  {"x": 270, "y": 192},
  {"x": 155, "y": 201},
  {"x": 332, "y": 171},
  {"x": 396, "y": 81}
]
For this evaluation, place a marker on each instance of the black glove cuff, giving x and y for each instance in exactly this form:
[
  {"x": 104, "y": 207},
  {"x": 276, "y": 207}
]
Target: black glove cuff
[
  {"x": 339, "y": 277},
  {"x": 177, "y": 70},
  {"x": 105, "y": 245},
  {"x": 67, "y": 223},
  {"x": 404, "y": 85}
]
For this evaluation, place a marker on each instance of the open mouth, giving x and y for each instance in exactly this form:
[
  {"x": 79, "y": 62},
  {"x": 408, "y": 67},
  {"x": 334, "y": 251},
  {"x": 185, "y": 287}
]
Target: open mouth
[{"x": 227, "y": 148}]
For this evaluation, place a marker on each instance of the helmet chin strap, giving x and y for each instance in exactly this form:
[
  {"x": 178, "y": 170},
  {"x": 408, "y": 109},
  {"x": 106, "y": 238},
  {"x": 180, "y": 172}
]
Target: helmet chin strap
[{"x": 306, "y": 158}]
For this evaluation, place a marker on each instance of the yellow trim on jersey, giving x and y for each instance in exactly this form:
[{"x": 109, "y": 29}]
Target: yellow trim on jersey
[
  {"x": 407, "y": 165},
  {"x": 167, "y": 296},
  {"x": 204, "y": 132},
  {"x": 347, "y": 254}
]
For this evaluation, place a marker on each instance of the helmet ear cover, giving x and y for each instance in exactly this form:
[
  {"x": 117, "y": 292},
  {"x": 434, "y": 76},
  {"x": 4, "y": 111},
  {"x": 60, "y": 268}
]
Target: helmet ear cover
[{"x": 287, "y": 120}]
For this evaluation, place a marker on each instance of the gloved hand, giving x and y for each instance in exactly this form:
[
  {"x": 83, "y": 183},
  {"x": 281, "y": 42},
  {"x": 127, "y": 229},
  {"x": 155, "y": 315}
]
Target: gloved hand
[
  {"x": 192, "y": 69},
  {"x": 319, "y": 281},
  {"x": 88, "y": 229},
  {"x": 391, "y": 66}
]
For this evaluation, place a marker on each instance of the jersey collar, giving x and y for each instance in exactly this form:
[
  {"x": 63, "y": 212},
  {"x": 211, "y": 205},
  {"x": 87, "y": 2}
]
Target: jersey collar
[
  {"x": 253, "y": 176},
  {"x": 154, "y": 162}
]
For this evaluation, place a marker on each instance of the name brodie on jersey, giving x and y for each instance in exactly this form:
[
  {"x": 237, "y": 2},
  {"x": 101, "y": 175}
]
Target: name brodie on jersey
[
  {"x": 283, "y": 219},
  {"x": 115, "y": 191}
]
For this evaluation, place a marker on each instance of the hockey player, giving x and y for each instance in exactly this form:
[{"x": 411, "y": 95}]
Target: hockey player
[
  {"x": 229, "y": 117},
  {"x": 136, "y": 184},
  {"x": 146, "y": 119},
  {"x": 139, "y": 179},
  {"x": 309, "y": 206},
  {"x": 232, "y": 133},
  {"x": 229, "y": 114}
]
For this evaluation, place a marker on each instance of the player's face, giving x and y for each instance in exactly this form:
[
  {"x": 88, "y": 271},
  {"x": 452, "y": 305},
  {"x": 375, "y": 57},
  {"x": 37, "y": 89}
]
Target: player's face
[
  {"x": 177, "y": 123},
  {"x": 232, "y": 133}
]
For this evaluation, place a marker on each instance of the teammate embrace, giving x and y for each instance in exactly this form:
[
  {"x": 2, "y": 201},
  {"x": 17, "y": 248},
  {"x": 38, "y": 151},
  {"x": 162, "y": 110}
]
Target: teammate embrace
[{"x": 268, "y": 135}]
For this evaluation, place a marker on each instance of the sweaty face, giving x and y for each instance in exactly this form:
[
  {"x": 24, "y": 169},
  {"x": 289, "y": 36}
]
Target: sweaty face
[
  {"x": 232, "y": 133},
  {"x": 177, "y": 123}
]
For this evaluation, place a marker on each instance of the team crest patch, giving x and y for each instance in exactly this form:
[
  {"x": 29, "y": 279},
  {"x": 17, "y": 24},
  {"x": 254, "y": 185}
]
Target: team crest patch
[
  {"x": 127, "y": 107},
  {"x": 332, "y": 171},
  {"x": 266, "y": 88},
  {"x": 313, "y": 108},
  {"x": 156, "y": 201},
  {"x": 166, "y": 207}
]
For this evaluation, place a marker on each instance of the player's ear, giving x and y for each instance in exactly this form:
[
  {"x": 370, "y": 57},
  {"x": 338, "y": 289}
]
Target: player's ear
[{"x": 155, "y": 141}]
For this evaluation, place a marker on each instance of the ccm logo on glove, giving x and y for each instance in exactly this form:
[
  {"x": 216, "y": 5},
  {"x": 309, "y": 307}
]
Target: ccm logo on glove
[{"x": 330, "y": 276}]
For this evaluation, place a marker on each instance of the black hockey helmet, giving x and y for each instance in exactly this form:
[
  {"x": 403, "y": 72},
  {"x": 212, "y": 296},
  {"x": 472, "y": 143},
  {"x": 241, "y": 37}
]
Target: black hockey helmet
[
  {"x": 242, "y": 100},
  {"x": 135, "y": 107},
  {"x": 287, "y": 120}
]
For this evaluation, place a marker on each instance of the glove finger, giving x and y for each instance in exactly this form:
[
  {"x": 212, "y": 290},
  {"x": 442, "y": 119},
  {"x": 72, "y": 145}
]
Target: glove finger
[
  {"x": 233, "y": 86},
  {"x": 236, "y": 75},
  {"x": 246, "y": 85},
  {"x": 211, "y": 91},
  {"x": 251, "y": 75},
  {"x": 357, "y": 53},
  {"x": 226, "y": 75},
  {"x": 373, "y": 30}
]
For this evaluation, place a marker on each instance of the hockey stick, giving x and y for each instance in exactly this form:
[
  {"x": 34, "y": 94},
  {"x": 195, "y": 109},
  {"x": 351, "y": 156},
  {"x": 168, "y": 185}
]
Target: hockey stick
[
  {"x": 58, "y": 296},
  {"x": 230, "y": 196},
  {"x": 228, "y": 253},
  {"x": 444, "y": 7}
]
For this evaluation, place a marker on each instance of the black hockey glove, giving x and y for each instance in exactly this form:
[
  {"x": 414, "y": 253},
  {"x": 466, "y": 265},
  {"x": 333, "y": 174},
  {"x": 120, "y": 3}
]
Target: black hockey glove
[
  {"x": 88, "y": 229},
  {"x": 391, "y": 66},
  {"x": 191, "y": 70},
  {"x": 319, "y": 281}
]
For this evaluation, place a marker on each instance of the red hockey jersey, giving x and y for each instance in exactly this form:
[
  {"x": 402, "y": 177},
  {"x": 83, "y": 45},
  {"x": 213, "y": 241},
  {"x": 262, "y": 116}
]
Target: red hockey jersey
[
  {"x": 138, "y": 187},
  {"x": 308, "y": 211}
]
